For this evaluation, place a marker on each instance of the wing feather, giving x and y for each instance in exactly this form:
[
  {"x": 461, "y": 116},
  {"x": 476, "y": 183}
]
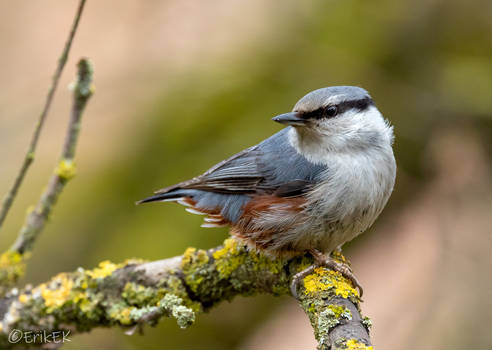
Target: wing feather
[{"x": 271, "y": 167}]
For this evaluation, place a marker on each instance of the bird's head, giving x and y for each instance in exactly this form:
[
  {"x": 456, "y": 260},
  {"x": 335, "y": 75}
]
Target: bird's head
[{"x": 337, "y": 118}]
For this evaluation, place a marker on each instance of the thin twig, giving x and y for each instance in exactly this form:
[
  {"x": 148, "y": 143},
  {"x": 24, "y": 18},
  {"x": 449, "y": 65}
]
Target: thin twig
[
  {"x": 65, "y": 170},
  {"x": 29, "y": 158}
]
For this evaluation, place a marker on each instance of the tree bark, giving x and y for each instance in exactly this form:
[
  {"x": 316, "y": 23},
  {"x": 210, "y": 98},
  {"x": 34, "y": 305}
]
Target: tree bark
[{"x": 135, "y": 293}]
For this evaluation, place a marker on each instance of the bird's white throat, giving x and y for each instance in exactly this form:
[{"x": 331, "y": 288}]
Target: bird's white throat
[{"x": 354, "y": 132}]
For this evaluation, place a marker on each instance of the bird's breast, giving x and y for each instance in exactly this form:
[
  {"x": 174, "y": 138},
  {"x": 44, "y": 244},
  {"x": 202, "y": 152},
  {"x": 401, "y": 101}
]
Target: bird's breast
[{"x": 349, "y": 196}]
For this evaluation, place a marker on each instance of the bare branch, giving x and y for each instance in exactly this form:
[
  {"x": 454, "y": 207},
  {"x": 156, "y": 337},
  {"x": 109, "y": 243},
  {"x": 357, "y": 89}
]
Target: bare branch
[
  {"x": 136, "y": 293},
  {"x": 12, "y": 262},
  {"x": 29, "y": 158},
  {"x": 66, "y": 168}
]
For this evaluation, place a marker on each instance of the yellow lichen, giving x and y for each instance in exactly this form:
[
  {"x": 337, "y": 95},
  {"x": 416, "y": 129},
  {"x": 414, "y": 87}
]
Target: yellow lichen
[
  {"x": 230, "y": 247},
  {"x": 10, "y": 258},
  {"x": 201, "y": 257},
  {"x": 262, "y": 262},
  {"x": 192, "y": 264},
  {"x": 56, "y": 297},
  {"x": 188, "y": 255},
  {"x": 122, "y": 315},
  {"x": 78, "y": 296},
  {"x": 305, "y": 263},
  {"x": 104, "y": 269},
  {"x": 132, "y": 261},
  {"x": 82, "y": 300},
  {"x": 23, "y": 298},
  {"x": 323, "y": 279},
  {"x": 194, "y": 256},
  {"x": 340, "y": 311},
  {"x": 229, "y": 258},
  {"x": 12, "y": 267},
  {"x": 85, "y": 305},
  {"x": 312, "y": 308},
  {"x": 354, "y": 344},
  {"x": 339, "y": 257},
  {"x": 65, "y": 169}
]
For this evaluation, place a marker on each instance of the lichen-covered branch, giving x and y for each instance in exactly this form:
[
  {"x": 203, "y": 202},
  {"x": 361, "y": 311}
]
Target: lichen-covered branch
[
  {"x": 135, "y": 293},
  {"x": 12, "y": 262},
  {"x": 29, "y": 157}
]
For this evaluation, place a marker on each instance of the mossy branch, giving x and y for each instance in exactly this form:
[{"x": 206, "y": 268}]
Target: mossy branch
[
  {"x": 135, "y": 293},
  {"x": 12, "y": 262},
  {"x": 29, "y": 157}
]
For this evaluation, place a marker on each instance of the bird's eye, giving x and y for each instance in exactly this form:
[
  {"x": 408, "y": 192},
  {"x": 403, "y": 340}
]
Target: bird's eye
[{"x": 331, "y": 111}]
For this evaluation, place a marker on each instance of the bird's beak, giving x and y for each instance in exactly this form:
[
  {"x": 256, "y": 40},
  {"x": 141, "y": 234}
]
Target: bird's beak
[{"x": 291, "y": 118}]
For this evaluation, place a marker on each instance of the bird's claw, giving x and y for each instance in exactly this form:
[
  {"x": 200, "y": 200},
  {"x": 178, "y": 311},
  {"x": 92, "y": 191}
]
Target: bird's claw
[
  {"x": 296, "y": 279},
  {"x": 328, "y": 262}
]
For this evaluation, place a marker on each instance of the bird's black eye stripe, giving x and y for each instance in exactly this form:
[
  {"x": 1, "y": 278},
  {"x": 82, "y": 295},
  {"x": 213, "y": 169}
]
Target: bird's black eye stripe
[
  {"x": 334, "y": 110},
  {"x": 359, "y": 105},
  {"x": 316, "y": 114},
  {"x": 320, "y": 113}
]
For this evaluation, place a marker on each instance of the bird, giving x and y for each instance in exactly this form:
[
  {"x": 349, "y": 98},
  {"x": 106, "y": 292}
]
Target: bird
[{"x": 316, "y": 184}]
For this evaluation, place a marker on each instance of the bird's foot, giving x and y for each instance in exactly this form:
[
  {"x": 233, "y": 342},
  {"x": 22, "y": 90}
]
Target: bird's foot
[
  {"x": 327, "y": 261},
  {"x": 298, "y": 277}
]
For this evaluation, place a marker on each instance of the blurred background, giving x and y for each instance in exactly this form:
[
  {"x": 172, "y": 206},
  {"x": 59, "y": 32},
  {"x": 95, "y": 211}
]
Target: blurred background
[{"x": 180, "y": 85}]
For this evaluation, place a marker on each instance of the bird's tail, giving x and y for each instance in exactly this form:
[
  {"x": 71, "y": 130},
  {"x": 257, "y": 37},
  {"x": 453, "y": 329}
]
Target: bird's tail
[{"x": 163, "y": 197}]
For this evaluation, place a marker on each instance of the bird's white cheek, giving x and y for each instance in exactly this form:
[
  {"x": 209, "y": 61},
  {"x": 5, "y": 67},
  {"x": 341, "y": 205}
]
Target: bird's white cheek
[{"x": 310, "y": 145}]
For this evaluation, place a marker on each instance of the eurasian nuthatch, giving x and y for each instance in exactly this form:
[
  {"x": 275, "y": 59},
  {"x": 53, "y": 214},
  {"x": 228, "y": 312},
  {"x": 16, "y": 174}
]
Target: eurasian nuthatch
[{"x": 313, "y": 186}]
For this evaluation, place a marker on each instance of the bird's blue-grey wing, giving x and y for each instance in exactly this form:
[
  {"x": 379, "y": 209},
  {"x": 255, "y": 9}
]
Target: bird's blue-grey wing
[{"x": 272, "y": 167}]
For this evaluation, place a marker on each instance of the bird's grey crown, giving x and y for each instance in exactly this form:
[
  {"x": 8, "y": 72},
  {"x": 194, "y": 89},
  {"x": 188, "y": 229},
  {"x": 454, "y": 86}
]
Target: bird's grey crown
[{"x": 343, "y": 96}]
